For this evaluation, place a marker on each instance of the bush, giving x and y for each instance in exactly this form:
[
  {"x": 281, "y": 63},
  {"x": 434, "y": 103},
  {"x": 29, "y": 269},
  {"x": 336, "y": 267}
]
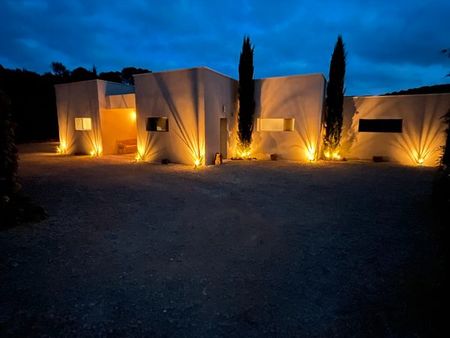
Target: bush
[
  {"x": 8, "y": 150},
  {"x": 14, "y": 206},
  {"x": 441, "y": 183},
  {"x": 441, "y": 188}
]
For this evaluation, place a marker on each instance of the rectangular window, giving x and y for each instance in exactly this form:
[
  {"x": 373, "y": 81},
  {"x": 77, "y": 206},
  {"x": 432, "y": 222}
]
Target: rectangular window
[
  {"x": 157, "y": 124},
  {"x": 83, "y": 123},
  {"x": 275, "y": 124},
  {"x": 380, "y": 125}
]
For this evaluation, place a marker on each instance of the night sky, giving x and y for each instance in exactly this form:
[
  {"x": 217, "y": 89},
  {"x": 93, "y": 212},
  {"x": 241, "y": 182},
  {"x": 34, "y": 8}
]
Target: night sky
[{"x": 391, "y": 45}]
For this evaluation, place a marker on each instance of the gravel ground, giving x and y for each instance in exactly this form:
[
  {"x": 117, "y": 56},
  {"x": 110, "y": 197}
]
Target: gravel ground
[{"x": 248, "y": 249}]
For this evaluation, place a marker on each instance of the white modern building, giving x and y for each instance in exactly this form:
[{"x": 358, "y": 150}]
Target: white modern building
[{"x": 187, "y": 116}]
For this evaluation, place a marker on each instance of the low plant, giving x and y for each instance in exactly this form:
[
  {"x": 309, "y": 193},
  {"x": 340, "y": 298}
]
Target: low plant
[
  {"x": 15, "y": 207},
  {"x": 441, "y": 182}
]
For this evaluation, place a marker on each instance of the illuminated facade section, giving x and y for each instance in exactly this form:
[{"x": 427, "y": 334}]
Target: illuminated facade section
[{"x": 187, "y": 116}]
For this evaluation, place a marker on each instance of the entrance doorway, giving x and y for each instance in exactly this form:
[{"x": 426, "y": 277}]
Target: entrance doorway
[{"x": 223, "y": 137}]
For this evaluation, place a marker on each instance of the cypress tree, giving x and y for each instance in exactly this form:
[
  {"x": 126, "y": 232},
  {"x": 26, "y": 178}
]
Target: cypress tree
[
  {"x": 246, "y": 96},
  {"x": 335, "y": 101}
]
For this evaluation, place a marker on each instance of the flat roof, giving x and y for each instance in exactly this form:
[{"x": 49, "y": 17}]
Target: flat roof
[{"x": 224, "y": 75}]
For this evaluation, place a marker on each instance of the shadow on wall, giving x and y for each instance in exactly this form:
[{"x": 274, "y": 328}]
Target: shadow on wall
[
  {"x": 422, "y": 138},
  {"x": 422, "y": 134},
  {"x": 285, "y": 98},
  {"x": 184, "y": 113},
  {"x": 74, "y": 141}
]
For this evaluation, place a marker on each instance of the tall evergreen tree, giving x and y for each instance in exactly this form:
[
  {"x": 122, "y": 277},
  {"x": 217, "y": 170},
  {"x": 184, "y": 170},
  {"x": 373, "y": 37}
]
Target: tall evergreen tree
[
  {"x": 335, "y": 100},
  {"x": 246, "y": 95}
]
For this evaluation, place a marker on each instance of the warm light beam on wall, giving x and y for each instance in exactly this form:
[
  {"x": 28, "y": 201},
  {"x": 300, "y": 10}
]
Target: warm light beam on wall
[
  {"x": 97, "y": 151},
  {"x": 310, "y": 152},
  {"x": 62, "y": 148}
]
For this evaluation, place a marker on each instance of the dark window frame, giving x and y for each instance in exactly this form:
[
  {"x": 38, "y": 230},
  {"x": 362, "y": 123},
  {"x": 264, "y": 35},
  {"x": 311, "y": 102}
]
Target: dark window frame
[
  {"x": 154, "y": 123},
  {"x": 380, "y": 125}
]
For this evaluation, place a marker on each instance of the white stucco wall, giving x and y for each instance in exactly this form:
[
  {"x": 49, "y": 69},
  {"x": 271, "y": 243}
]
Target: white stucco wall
[
  {"x": 121, "y": 101},
  {"x": 78, "y": 99},
  {"x": 299, "y": 97},
  {"x": 423, "y": 130},
  {"x": 90, "y": 99},
  {"x": 177, "y": 95},
  {"x": 220, "y": 102}
]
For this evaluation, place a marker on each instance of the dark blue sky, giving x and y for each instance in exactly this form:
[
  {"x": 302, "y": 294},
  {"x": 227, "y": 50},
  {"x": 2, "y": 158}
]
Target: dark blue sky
[{"x": 391, "y": 45}]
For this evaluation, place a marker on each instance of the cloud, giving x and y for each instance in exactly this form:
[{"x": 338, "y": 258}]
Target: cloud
[{"x": 390, "y": 43}]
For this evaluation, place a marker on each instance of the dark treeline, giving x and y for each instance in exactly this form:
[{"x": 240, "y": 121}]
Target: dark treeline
[
  {"x": 436, "y": 89},
  {"x": 33, "y": 101}
]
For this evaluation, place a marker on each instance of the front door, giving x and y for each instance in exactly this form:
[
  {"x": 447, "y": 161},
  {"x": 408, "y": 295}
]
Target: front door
[{"x": 223, "y": 137}]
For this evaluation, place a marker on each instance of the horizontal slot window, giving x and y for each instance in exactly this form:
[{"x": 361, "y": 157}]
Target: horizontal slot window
[
  {"x": 157, "y": 124},
  {"x": 275, "y": 124},
  {"x": 83, "y": 123},
  {"x": 380, "y": 125}
]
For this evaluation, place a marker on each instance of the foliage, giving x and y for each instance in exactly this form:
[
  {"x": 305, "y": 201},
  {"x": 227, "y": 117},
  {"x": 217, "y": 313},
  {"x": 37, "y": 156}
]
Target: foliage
[
  {"x": 82, "y": 74},
  {"x": 246, "y": 94},
  {"x": 335, "y": 98},
  {"x": 436, "y": 89},
  {"x": 60, "y": 71},
  {"x": 441, "y": 182},
  {"x": 128, "y": 72},
  {"x": 8, "y": 150},
  {"x": 32, "y": 102},
  {"x": 446, "y": 154},
  {"x": 15, "y": 207}
]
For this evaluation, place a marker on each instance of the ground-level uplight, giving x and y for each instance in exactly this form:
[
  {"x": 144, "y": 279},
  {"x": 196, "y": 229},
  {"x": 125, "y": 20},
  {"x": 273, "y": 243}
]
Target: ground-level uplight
[
  {"x": 96, "y": 151},
  {"x": 332, "y": 155},
  {"x": 139, "y": 157},
  {"x": 62, "y": 148},
  {"x": 310, "y": 152},
  {"x": 244, "y": 151}
]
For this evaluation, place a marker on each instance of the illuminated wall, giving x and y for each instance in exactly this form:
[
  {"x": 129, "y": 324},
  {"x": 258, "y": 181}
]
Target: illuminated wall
[
  {"x": 220, "y": 102},
  {"x": 78, "y": 99},
  {"x": 192, "y": 100},
  {"x": 90, "y": 99},
  {"x": 293, "y": 97},
  {"x": 117, "y": 125},
  {"x": 288, "y": 119},
  {"x": 420, "y": 140}
]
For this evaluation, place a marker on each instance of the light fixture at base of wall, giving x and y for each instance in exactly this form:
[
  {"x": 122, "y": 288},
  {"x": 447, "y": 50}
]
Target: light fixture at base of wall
[{"x": 62, "y": 148}]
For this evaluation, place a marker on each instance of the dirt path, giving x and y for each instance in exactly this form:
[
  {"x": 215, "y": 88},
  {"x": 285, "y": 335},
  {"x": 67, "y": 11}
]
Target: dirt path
[{"x": 249, "y": 249}]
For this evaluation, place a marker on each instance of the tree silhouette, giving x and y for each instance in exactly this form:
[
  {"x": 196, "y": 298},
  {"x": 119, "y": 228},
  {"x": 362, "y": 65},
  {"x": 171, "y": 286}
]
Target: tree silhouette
[
  {"x": 128, "y": 72},
  {"x": 8, "y": 150},
  {"x": 60, "y": 71},
  {"x": 82, "y": 74},
  {"x": 246, "y": 95},
  {"x": 335, "y": 100}
]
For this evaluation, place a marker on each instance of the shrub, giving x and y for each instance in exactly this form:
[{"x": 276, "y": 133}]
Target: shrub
[
  {"x": 441, "y": 183},
  {"x": 8, "y": 149},
  {"x": 14, "y": 206}
]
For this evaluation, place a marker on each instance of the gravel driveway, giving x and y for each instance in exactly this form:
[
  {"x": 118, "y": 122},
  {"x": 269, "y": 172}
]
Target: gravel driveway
[{"x": 248, "y": 249}]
